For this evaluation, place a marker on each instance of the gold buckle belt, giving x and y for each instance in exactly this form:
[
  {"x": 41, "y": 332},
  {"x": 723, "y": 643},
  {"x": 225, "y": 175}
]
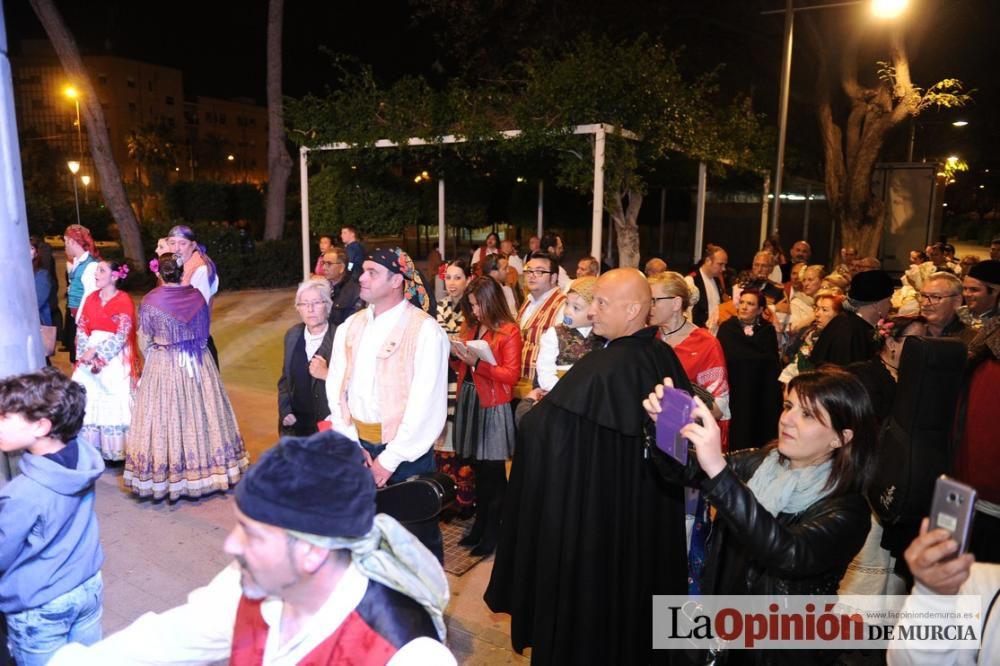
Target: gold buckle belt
[
  {"x": 522, "y": 388},
  {"x": 369, "y": 432}
]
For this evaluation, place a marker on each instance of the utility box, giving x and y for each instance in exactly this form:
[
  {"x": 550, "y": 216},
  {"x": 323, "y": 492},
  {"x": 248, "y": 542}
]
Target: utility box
[{"x": 911, "y": 196}]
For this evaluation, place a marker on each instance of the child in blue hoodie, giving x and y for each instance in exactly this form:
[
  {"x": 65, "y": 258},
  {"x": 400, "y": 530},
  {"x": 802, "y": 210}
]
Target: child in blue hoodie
[{"x": 50, "y": 555}]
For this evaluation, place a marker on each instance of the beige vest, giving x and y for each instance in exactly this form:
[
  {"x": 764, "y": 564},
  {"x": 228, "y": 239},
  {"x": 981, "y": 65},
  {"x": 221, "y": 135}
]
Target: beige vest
[{"x": 394, "y": 367}]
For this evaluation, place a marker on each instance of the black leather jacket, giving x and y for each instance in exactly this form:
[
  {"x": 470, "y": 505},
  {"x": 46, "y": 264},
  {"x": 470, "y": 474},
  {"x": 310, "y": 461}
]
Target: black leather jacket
[{"x": 752, "y": 552}]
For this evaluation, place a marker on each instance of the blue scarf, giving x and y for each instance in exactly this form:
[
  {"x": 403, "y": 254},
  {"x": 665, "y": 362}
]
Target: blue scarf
[{"x": 781, "y": 489}]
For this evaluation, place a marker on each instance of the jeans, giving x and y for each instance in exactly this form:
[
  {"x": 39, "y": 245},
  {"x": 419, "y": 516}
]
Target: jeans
[
  {"x": 427, "y": 531},
  {"x": 35, "y": 634}
]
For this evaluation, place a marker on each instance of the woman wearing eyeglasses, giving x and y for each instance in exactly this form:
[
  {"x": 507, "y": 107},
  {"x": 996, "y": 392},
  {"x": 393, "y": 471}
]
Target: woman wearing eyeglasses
[
  {"x": 697, "y": 349},
  {"x": 302, "y": 387}
]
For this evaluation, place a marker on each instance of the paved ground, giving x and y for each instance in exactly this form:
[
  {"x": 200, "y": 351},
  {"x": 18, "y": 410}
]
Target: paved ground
[{"x": 158, "y": 552}]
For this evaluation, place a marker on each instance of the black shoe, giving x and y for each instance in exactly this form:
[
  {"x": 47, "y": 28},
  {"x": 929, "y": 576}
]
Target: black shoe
[
  {"x": 485, "y": 547},
  {"x": 475, "y": 533}
]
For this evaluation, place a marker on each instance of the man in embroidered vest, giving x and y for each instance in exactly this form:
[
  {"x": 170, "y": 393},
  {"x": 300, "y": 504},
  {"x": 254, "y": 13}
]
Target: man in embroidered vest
[
  {"x": 589, "y": 532},
  {"x": 542, "y": 309},
  {"x": 318, "y": 578},
  {"x": 81, "y": 267},
  {"x": 388, "y": 380},
  {"x": 707, "y": 281}
]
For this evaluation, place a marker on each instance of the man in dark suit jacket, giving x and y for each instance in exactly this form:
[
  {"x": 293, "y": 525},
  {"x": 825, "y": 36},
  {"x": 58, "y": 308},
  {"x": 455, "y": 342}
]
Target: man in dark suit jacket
[
  {"x": 345, "y": 291},
  {"x": 707, "y": 279},
  {"x": 302, "y": 398}
]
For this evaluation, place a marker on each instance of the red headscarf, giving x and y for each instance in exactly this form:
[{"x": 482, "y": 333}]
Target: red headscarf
[{"x": 81, "y": 235}]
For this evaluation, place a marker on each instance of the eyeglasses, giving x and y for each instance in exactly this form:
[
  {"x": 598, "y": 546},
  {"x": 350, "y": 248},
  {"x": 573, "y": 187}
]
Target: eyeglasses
[
  {"x": 310, "y": 305},
  {"x": 535, "y": 272},
  {"x": 663, "y": 298},
  {"x": 935, "y": 298},
  {"x": 333, "y": 263}
]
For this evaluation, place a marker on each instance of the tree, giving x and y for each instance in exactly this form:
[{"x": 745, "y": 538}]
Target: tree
[
  {"x": 635, "y": 85},
  {"x": 854, "y": 126},
  {"x": 279, "y": 164},
  {"x": 154, "y": 151},
  {"x": 97, "y": 129}
]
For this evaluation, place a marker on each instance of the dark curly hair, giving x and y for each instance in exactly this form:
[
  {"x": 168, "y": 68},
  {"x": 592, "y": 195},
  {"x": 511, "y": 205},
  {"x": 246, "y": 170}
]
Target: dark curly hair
[
  {"x": 115, "y": 267},
  {"x": 45, "y": 394}
]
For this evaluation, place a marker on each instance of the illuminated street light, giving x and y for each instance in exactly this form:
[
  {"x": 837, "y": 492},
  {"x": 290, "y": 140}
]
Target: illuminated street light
[
  {"x": 960, "y": 123},
  {"x": 885, "y": 9},
  {"x": 74, "y": 166},
  {"x": 888, "y": 9},
  {"x": 85, "y": 179},
  {"x": 952, "y": 159}
]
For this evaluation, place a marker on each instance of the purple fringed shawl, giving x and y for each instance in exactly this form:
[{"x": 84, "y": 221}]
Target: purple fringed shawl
[{"x": 176, "y": 317}]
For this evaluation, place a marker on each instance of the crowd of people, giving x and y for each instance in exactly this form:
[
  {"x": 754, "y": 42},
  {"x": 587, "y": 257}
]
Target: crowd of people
[{"x": 502, "y": 361}]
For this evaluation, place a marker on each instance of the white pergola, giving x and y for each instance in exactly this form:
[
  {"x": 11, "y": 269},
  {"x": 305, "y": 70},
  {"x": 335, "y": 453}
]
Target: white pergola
[{"x": 600, "y": 132}]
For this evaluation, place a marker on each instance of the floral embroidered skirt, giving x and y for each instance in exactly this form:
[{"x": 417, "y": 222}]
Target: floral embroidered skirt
[
  {"x": 184, "y": 440},
  {"x": 109, "y": 405}
]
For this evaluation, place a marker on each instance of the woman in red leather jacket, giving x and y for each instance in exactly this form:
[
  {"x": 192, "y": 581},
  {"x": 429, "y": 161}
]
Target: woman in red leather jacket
[{"x": 484, "y": 421}]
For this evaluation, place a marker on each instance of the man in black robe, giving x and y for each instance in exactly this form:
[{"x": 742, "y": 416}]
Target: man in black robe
[
  {"x": 590, "y": 532},
  {"x": 850, "y": 336}
]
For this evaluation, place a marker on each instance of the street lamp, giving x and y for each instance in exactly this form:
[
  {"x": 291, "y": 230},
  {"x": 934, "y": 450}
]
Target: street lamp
[
  {"x": 74, "y": 166},
  {"x": 880, "y": 8},
  {"x": 72, "y": 93},
  {"x": 86, "y": 188}
]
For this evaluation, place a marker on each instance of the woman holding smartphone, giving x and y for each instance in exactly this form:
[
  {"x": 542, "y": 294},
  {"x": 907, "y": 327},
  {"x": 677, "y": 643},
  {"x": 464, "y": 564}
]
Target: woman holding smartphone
[
  {"x": 484, "y": 421},
  {"x": 790, "y": 516}
]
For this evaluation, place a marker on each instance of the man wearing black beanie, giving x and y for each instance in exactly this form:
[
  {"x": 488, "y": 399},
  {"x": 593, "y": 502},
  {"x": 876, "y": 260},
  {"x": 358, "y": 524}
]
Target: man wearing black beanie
[{"x": 318, "y": 577}]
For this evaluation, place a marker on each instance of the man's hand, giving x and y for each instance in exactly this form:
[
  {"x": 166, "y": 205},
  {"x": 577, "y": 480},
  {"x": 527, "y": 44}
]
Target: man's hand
[
  {"x": 380, "y": 474},
  {"x": 927, "y": 558},
  {"x": 536, "y": 394},
  {"x": 318, "y": 368},
  {"x": 289, "y": 420}
]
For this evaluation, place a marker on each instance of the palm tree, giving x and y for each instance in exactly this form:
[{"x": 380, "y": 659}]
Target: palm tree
[
  {"x": 154, "y": 150},
  {"x": 279, "y": 164},
  {"x": 97, "y": 129}
]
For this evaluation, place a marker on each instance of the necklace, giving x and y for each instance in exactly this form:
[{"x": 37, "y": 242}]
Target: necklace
[{"x": 683, "y": 324}]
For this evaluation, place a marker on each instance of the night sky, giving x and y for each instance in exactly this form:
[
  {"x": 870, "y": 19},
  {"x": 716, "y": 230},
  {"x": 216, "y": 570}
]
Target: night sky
[{"x": 220, "y": 47}]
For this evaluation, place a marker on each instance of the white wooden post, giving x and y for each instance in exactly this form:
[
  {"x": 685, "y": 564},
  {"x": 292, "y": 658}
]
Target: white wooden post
[
  {"x": 304, "y": 193},
  {"x": 441, "y": 227},
  {"x": 541, "y": 207},
  {"x": 764, "y": 204},
  {"x": 699, "y": 216},
  {"x": 598, "y": 212},
  {"x": 805, "y": 214}
]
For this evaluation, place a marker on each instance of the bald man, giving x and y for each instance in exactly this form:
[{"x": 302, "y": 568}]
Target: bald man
[
  {"x": 655, "y": 266},
  {"x": 588, "y": 533}
]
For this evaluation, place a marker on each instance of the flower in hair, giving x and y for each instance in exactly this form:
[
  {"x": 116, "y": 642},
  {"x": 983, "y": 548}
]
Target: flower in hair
[
  {"x": 154, "y": 265},
  {"x": 121, "y": 273}
]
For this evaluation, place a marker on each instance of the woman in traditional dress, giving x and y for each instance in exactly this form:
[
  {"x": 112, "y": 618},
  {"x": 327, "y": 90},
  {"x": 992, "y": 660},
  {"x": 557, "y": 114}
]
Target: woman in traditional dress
[
  {"x": 184, "y": 440},
  {"x": 449, "y": 316},
  {"x": 484, "y": 421},
  {"x": 827, "y": 305},
  {"x": 750, "y": 345},
  {"x": 107, "y": 363}
]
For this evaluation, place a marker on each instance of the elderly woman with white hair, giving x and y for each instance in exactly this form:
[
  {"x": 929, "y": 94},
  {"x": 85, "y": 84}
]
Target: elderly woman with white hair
[{"x": 302, "y": 401}]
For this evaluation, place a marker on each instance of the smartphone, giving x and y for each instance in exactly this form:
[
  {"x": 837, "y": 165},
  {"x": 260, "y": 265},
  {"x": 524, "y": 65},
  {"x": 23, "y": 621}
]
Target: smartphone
[
  {"x": 952, "y": 509},
  {"x": 676, "y": 407}
]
